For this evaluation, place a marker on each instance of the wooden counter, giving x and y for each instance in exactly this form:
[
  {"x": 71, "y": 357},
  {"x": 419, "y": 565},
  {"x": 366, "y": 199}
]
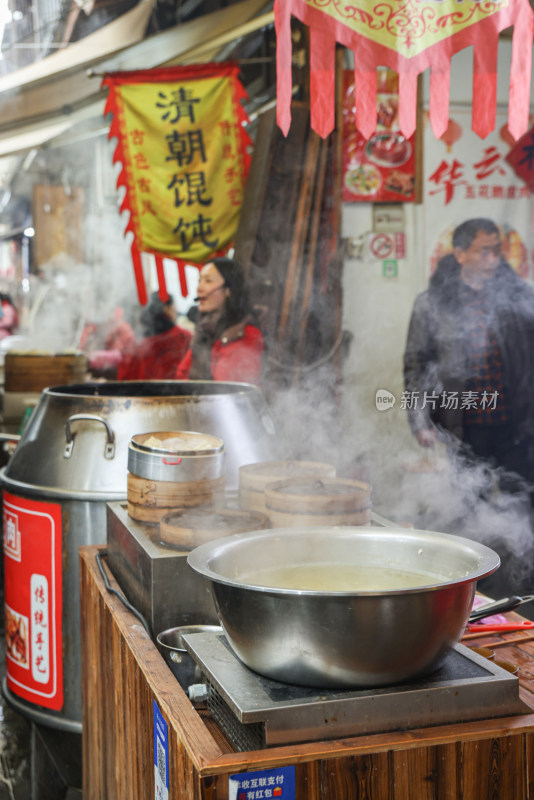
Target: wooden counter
[{"x": 123, "y": 673}]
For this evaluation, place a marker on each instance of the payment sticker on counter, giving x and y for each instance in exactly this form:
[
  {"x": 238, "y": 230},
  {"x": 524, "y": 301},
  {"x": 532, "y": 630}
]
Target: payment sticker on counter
[
  {"x": 161, "y": 756},
  {"x": 263, "y": 785}
]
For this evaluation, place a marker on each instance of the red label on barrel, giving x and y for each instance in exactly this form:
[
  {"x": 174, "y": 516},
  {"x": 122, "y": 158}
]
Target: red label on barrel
[{"x": 33, "y": 600}]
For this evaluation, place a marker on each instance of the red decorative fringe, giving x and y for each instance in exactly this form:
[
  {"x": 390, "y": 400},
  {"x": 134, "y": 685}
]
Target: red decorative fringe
[{"x": 325, "y": 31}]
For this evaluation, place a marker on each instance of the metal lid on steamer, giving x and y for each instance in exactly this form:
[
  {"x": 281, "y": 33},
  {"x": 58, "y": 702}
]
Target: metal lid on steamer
[
  {"x": 165, "y": 455},
  {"x": 181, "y": 443}
]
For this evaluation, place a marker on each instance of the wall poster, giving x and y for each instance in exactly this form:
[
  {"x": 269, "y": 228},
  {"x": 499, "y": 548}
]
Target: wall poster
[
  {"x": 465, "y": 178},
  {"x": 381, "y": 168}
]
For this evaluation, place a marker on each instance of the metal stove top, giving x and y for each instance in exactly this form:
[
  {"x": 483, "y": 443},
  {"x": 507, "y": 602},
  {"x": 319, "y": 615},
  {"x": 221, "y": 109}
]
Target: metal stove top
[{"x": 256, "y": 712}]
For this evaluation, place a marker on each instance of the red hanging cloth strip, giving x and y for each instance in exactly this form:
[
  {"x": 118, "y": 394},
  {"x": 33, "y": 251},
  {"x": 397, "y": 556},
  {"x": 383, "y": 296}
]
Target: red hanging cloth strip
[
  {"x": 322, "y": 81},
  {"x": 163, "y": 293},
  {"x": 407, "y": 103},
  {"x": 139, "y": 276},
  {"x": 485, "y": 84},
  {"x": 284, "y": 70},
  {"x": 365, "y": 89},
  {"x": 520, "y": 71},
  {"x": 440, "y": 82},
  {"x": 182, "y": 278}
]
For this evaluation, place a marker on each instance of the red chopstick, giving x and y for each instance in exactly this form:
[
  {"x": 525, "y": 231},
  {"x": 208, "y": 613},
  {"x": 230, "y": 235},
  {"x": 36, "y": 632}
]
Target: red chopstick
[{"x": 480, "y": 627}]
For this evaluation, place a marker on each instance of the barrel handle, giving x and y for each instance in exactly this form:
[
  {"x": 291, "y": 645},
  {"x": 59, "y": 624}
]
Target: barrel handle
[{"x": 109, "y": 452}]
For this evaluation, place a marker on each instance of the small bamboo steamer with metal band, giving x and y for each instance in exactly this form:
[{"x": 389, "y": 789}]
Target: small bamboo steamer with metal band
[
  {"x": 328, "y": 501},
  {"x": 192, "y": 527},
  {"x": 179, "y": 456},
  {"x": 253, "y": 478},
  {"x": 170, "y": 470}
]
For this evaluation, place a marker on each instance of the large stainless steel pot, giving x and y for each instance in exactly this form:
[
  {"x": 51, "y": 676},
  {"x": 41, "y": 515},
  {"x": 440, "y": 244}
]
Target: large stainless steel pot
[
  {"x": 74, "y": 454},
  {"x": 343, "y": 638},
  {"x": 78, "y": 436}
]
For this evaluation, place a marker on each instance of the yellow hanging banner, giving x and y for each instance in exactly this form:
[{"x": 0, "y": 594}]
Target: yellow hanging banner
[{"x": 183, "y": 149}]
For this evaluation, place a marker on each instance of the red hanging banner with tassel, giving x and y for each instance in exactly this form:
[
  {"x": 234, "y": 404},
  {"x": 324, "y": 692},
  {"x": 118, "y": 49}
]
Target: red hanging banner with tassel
[
  {"x": 407, "y": 36},
  {"x": 183, "y": 150}
]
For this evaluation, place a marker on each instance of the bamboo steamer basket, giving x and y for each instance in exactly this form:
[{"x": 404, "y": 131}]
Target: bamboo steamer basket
[
  {"x": 149, "y": 501},
  {"x": 173, "y": 470},
  {"x": 253, "y": 478},
  {"x": 33, "y": 372},
  {"x": 324, "y": 502},
  {"x": 192, "y": 527}
]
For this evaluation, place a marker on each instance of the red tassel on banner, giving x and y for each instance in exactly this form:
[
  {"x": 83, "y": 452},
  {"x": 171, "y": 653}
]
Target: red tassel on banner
[
  {"x": 520, "y": 73},
  {"x": 139, "y": 277},
  {"x": 365, "y": 93},
  {"x": 284, "y": 71},
  {"x": 322, "y": 81},
  {"x": 485, "y": 84},
  {"x": 163, "y": 293},
  {"x": 182, "y": 278},
  {"x": 440, "y": 82},
  {"x": 407, "y": 103},
  {"x": 359, "y": 27}
]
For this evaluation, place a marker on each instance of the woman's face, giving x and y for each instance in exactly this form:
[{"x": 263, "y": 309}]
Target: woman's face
[{"x": 212, "y": 292}]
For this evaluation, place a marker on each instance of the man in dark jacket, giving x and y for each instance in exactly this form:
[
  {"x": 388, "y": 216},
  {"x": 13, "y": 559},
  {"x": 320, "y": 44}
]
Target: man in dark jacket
[{"x": 469, "y": 358}]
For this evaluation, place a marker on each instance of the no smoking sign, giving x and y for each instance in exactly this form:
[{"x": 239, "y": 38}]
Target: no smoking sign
[
  {"x": 381, "y": 246},
  {"x": 385, "y": 245}
]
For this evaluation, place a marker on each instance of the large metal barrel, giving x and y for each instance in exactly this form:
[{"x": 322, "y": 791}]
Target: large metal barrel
[{"x": 72, "y": 460}]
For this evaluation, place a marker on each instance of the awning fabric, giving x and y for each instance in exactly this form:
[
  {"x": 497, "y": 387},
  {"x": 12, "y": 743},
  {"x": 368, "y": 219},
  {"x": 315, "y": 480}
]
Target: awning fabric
[
  {"x": 41, "y": 91},
  {"x": 122, "y": 32},
  {"x": 31, "y": 136}
]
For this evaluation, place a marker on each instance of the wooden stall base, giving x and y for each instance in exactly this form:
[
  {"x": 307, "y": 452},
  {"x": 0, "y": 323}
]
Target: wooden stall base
[{"x": 123, "y": 673}]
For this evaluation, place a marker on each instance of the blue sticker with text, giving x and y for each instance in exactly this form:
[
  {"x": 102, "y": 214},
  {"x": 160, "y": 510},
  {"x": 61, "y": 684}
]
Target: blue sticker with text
[
  {"x": 267, "y": 784},
  {"x": 161, "y": 756}
]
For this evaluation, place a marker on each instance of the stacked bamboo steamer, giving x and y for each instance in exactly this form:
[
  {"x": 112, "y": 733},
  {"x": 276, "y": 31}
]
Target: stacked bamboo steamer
[
  {"x": 189, "y": 528},
  {"x": 33, "y": 372},
  {"x": 173, "y": 470},
  {"x": 321, "y": 502},
  {"x": 253, "y": 478}
]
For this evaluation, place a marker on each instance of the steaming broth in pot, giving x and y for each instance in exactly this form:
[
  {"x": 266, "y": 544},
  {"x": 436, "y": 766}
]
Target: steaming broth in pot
[{"x": 339, "y": 578}]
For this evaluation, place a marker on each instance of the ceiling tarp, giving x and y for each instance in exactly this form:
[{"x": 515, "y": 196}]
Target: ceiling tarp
[
  {"x": 31, "y": 136},
  {"x": 122, "y": 32},
  {"x": 29, "y": 95}
]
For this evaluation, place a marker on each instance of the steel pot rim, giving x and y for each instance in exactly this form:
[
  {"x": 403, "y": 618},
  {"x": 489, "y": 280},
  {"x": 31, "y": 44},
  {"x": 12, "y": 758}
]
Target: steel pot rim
[
  {"x": 183, "y": 630},
  {"x": 198, "y": 559},
  {"x": 124, "y": 389}
]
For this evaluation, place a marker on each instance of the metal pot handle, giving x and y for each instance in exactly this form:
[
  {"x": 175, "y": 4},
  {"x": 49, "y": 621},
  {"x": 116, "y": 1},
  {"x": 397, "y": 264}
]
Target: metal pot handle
[{"x": 109, "y": 452}]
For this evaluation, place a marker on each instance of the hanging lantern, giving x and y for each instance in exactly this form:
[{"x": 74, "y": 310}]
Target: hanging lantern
[{"x": 451, "y": 135}]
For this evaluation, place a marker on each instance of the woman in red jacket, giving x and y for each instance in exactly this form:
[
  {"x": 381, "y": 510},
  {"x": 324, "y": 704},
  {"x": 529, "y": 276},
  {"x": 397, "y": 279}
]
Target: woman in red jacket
[{"x": 227, "y": 345}]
